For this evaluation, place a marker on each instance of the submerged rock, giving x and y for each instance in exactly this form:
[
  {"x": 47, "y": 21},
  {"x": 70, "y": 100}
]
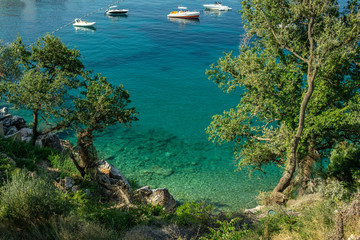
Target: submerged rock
[{"x": 162, "y": 171}]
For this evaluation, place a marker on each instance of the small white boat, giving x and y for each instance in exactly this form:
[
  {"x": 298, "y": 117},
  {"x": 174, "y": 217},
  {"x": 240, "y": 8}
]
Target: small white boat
[
  {"x": 80, "y": 23},
  {"x": 217, "y": 6},
  {"x": 183, "y": 13},
  {"x": 113, "y": 10}
]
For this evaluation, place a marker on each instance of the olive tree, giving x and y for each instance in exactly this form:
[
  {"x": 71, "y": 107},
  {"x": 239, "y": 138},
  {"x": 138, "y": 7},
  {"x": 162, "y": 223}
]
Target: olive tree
[
  {"x": 299, "y": 73},
  {"x": 98, "y": 105},
  {"x": 49, "y": 71}
]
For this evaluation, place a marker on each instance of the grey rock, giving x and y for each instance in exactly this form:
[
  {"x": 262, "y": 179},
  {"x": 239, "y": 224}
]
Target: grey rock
[
  {"x": 69, "y": 182},
  {"x": 4, "y": 111},
  {"x": 52, "y": 141},
  {"x": 75, "y": 188},
  {"x": 88, "y": 192},
  {"x": 113, "y": 184},
  {"x": 16, "y": 136},
  {"x": 111, "y": 171},
  {"x": 11, "y": 130},
  {"x": 15, "y": 121},
  {"x": 3, "y": 117},
  {"x": 26, "y": 132},
  {"x": 19, "y": 122},
  {"x": 160, "y": 196}
]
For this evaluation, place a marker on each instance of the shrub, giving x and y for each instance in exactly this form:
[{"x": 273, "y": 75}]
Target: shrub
[
  {"x": 61, "y": 227},
  {"x": 193, "y": 213},
  {"x": 29, "y": 199},
  {"x": 89, "y": 210},
  {"x": 334, "y": 190},
  {"x": 24, "y": 154},
  {"x": 6, "y": 165},
  {"x": 63, "y": 163},
  {"x": 345, "y": 164},
  {"x": 227, "y": 230}
]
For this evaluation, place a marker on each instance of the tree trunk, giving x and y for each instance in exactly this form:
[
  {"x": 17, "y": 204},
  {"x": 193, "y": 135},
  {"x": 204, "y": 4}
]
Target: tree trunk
[
  {"x": 311, "y": 73},
  {"x": 35, "y": 126},
  {"x": 79, "y": 168},
  {"x": 86, "y": 150}
]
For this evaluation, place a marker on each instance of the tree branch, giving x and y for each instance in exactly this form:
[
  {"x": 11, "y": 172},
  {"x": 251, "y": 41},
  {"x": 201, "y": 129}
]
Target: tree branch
[{"x": 290, "y": 49}]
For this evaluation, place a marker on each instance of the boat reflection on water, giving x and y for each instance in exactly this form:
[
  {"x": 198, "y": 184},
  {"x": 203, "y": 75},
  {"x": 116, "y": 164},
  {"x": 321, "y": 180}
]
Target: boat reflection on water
[
  {"x": 214, "y": 12},
  {"x": 183, "y": 21},
  {"x": 115, "y": 18},
  {"x": 85, "y": 29}
]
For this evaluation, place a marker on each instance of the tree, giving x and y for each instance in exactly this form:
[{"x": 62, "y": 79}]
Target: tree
[
  {"x": 99, "y": 105},
  {"x": 9, "y": 69},
  {"x": 49, "y": 71},
  {"x": 300, "y": 80}
]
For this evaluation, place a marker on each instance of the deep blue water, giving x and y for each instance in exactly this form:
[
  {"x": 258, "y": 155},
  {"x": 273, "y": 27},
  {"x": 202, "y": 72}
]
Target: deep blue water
[{"x": 162, "y": 63}]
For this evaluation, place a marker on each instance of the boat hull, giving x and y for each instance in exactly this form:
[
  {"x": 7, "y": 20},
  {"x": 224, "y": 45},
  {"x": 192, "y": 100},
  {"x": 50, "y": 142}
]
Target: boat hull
[
  {"x": 116, "y": 12},
  {"x": 184, "y": 15},
  {"x": 216, "y": 7},
  {"x": 86, "y": 24}
]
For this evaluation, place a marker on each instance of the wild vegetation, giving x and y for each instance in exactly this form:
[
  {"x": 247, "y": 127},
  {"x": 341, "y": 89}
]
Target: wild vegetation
[
  {"x": 299, "y": 72},
  {"x": 299, "y": 69}
]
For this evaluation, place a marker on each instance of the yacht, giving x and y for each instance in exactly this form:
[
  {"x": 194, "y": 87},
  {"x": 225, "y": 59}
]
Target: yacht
[
  {"x": 217, "y": 6},
  {"x": 183, "y": 13},
  {"x": 113, "y": 10},
  {"x": 80, "y": 23}
]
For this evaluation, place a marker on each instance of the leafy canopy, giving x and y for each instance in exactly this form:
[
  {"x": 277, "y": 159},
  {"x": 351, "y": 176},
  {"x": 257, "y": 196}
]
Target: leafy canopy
[{"x": 298, "y": 70}]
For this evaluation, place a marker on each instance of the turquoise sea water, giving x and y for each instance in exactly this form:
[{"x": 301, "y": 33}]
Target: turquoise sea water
[{"x": 162, "y": 63}]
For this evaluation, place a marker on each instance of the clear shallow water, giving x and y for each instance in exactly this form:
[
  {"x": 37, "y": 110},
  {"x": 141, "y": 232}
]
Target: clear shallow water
[{"x": 162, "y": 63}]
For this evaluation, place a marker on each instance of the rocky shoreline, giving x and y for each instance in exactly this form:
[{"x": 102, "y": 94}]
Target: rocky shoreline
[{"x": 111, "y": 181}]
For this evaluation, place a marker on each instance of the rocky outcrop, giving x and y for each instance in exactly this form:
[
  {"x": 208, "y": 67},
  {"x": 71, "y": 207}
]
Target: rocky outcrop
[
  {"x": 112, "y": 183},
  {"x": 160, "y": 197},
  {"x": 116, "y": 187},
  {"x": 15, "y": 127}
]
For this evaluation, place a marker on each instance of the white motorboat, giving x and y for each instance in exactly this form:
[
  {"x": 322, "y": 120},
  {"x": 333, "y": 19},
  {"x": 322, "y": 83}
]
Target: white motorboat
[
  {"x": 80, "y": 23},
  {"x": 217, "y": 6},
  {"x": 113, "y": 10},
  {"x": 183, "y": 13}
]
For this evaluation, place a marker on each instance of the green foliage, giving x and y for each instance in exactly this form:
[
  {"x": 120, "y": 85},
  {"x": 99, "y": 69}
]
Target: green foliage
[
  {"x": 6, "y": 165},
  {"x": 63, "y": 163},
  {"x": 345, "y": 164},
  {"x": 298, "y": 73},
  {"x": 99, "y": 105},
  {"x": 275, "y": 222},
  {"x": 60, "y": 227},
  {"x": 227, "y": 230},
  {"x": 334, "y": 191},
  {"x": 24, "y": 154},
  {"x": 193, "y": 213},
  {"x": 9, "y": 69},
  {"x": 144, "y": 214},
  {"x": 29, "y": 199},
  {"x": 50, "y": 70}
]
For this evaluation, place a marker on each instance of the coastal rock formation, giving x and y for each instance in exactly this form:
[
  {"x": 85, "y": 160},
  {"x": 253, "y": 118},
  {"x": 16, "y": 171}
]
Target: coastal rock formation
[
  {"x": 15, "y": 127},
  {"x": 159, "y": 196},
  {"x": 112, "y": 183}
]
